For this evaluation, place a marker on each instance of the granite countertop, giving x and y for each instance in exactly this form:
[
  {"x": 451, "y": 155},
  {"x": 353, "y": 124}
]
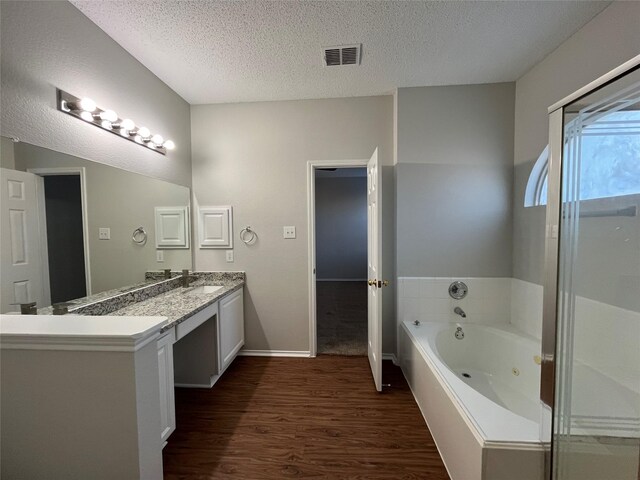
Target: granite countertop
[
  {"x": 178, "y": 304},
  {"x": 96, "y": 304}
]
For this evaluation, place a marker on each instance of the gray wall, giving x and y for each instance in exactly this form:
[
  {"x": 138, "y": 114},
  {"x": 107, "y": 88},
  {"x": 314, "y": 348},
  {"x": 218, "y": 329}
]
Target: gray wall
[
  {"x": 51, "y": 44},
  {"x": 608, "y": 257},
  {"x": 341, "y": 228},
  {"x": 7, "y": 157},
  {"x": 454, "y": 220},
  {"x": 609, "y": 40},
  {"x": 454, "y": 180},
  {"x": 254, "y": 157}
]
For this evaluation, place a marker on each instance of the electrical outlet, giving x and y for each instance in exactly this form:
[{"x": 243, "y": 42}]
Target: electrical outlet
[
  {"x": 289, "y": 232},
  {"x": 104, "y": 233},
  {"x": 229, "y": 256},
  {"x": 159, "y": 256}
]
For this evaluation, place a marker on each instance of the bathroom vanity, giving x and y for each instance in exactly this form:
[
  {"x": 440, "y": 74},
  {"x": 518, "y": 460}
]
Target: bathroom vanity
[
  {"x": 202, "y": 336},
  {"x": 95, "y": 385}
]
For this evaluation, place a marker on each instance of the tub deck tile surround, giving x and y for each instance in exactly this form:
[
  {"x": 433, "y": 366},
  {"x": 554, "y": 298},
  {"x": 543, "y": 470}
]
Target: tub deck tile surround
[{"x": 276, "y": 418}]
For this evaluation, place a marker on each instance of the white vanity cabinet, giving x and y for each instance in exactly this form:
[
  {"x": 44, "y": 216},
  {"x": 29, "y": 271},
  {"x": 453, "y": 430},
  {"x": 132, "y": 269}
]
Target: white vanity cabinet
[
  {"x": 231, "y": 328},
  {"x": 167, "y": 398}
]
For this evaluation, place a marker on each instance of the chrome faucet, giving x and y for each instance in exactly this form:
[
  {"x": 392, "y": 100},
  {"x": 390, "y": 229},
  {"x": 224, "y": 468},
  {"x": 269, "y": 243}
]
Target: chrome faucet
[{"x": 459, "y": 311}]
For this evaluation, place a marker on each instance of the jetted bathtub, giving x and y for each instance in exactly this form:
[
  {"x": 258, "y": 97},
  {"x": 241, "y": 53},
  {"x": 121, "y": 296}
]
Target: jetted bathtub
[{"x": 478, "y": 392}]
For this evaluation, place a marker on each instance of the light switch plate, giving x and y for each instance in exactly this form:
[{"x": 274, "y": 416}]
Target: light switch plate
[
  {"x": 229, "y": 256},
  {"x": 289, "y": 232},
  {"x": 160, "y": 256},
  {"x": 104, "y": 233}
]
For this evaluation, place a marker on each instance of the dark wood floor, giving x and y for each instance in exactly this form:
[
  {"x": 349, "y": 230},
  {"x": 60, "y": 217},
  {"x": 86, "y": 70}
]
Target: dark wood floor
[{"x": 276, "y": 418}]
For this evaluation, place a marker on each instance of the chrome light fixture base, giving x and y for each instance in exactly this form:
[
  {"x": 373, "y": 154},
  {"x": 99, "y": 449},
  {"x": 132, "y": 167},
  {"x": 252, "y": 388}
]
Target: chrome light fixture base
[{"x": 109, "y": 121}]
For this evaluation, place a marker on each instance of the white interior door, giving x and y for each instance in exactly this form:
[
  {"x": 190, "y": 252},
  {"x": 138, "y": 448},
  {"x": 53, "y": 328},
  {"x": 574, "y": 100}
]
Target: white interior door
[
  {"x": 21, "y": 255},
  {"x": 374, "y": 262}
]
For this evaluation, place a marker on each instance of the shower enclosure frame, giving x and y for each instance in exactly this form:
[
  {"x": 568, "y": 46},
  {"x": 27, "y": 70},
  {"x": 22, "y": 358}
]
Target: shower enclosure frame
[{"x": 550, "y": 313}]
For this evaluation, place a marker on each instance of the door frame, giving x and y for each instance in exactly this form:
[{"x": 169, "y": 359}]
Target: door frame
[
  {"x": 72, "y": 171},
  {"x": 312, "y": 166}
]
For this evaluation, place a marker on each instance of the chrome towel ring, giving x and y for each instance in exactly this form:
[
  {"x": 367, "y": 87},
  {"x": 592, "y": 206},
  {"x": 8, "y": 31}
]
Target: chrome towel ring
[
  {"x": 248, "y": 236},
  {"x": 139, "y": 236}
]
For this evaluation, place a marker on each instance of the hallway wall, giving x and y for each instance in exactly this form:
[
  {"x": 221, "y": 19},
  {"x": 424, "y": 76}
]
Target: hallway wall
[{"x": 341, "y": 228}]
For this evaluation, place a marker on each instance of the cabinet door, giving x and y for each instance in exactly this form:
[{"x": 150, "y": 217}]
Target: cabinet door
[
  {"x": 231, "y": 339},
  {"x": 167, "y": 399}
]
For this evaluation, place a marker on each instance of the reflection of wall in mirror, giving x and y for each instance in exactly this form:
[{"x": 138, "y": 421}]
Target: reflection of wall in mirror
[
  {"x": 7, "y": 157},
  {"x": 121, "y": 201}
]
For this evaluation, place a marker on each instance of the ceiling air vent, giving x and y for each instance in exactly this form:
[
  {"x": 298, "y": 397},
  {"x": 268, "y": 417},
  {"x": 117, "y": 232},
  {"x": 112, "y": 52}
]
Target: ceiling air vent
[{"x": 341, "y": 55}]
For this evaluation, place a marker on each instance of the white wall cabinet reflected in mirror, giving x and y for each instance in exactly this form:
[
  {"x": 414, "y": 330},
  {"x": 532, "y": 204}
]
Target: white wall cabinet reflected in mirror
[{"x": 172, "y": 227}]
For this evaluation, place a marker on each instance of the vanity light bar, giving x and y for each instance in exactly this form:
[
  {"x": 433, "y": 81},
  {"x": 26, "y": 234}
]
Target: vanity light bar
[{"x": 87, "y": 110}]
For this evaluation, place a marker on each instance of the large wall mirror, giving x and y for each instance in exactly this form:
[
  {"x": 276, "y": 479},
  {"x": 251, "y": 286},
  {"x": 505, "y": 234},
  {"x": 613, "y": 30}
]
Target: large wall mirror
[{"x": 71, "y": 227}]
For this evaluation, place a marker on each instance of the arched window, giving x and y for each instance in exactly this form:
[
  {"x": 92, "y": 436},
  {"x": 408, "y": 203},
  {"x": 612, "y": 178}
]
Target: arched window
[
  {"x": 536, "y": 191},
  {"x": 609, "y": 159}
]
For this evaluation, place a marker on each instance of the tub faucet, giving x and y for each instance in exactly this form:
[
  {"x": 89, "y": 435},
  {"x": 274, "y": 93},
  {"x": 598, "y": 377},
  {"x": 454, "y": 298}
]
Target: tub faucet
[{"x": 459, "y": 311}]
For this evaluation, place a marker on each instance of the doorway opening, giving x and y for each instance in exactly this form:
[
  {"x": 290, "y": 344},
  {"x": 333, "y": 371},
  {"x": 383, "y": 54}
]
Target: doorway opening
[
  {"x": 341, "y": 260},
  {"x": 374, "y": 281},
  {"x": 63, "y": 208}
]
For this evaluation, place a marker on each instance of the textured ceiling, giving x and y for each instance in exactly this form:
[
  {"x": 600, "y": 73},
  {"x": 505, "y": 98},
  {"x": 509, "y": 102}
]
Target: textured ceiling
[{"x": 213, "y": 52}]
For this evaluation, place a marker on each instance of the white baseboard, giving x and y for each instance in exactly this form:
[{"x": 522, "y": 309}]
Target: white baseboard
[
  {"x": 198, "y": 385},
  {"x": 274, "y": 353},
  {"x": 390, "y": 356},
  {"x": 341, "y": 279}
]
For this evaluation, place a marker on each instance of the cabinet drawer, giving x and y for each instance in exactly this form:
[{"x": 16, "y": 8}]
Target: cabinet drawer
[{"x": 195, "y": 321}]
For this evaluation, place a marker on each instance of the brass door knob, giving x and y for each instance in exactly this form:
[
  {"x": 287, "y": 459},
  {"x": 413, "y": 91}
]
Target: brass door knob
[{"x": 372, "y": 282}]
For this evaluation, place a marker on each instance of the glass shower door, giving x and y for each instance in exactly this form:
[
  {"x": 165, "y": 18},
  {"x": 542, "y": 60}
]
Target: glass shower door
[{"x": 596, "y": 430}]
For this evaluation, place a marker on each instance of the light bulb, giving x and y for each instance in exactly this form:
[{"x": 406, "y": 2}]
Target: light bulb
[
  {"x": 138, "y": 139},
  {"x": 87, "y": 105},
  {"x": 151, "y": 145},
  {"x": 86, "y": 116},
  {"x": 109, "y": 115},
  {"x": 64, "y": 106},
  {"x": 169, "y": 145},
  {"x": 144, "y": 132},
  {"x": 127, "y": 124},
  {"x": 106, "y": 124},
  {"x": 157, "y": 140}
]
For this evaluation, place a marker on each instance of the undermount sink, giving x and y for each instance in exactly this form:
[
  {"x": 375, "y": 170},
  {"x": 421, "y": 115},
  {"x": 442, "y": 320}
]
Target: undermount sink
[{"x": 203, "y": 289}]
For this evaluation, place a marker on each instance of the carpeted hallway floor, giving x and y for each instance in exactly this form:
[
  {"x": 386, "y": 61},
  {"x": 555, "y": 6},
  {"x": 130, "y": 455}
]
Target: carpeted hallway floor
[{"x": 342, "y": 318}]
